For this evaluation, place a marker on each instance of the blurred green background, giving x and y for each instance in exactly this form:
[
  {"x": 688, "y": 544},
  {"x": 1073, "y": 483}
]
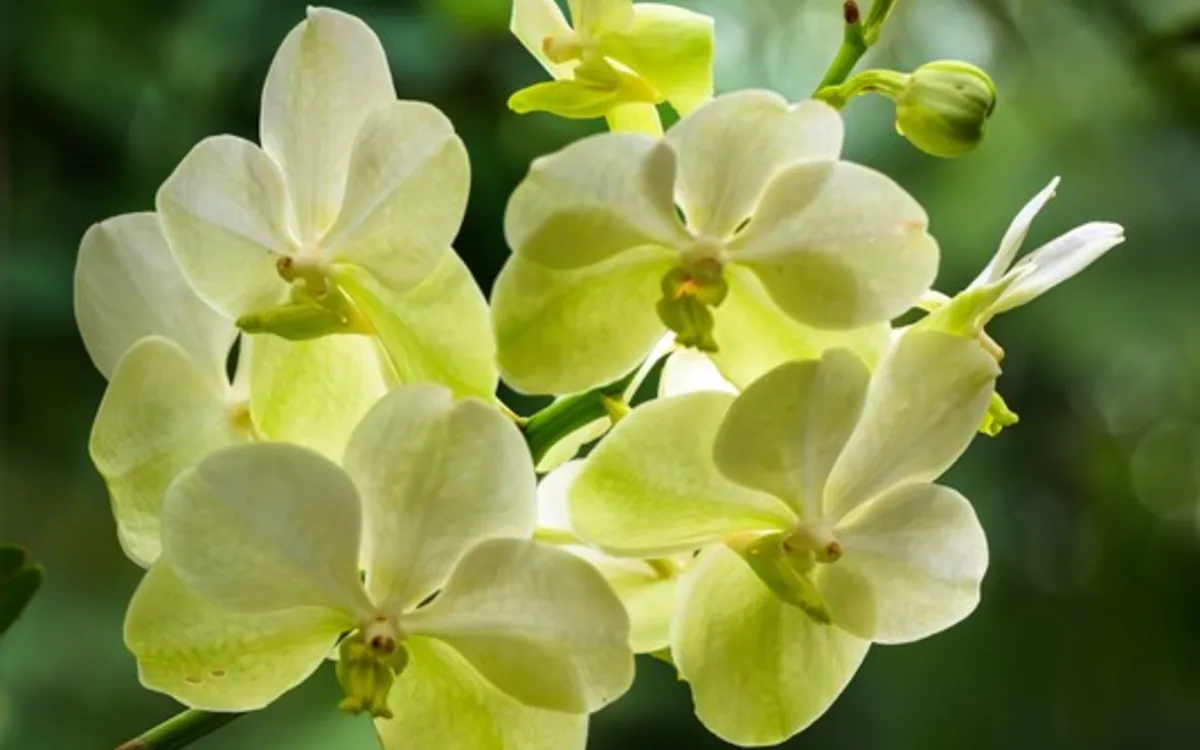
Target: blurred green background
[{"x": 1089, "y": 631}]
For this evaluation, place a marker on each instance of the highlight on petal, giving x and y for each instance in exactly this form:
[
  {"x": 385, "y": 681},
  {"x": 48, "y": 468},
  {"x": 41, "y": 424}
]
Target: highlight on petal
[
  {"x": 405, "y": 197},
  {"x": 533, "y": 21},
  {"x": 912, "y": 564},
  {"x": 688, "y": 371},
  {"x": 754, "y": 336},
  {"x": 923, "y": 407},
  {"x": 537, "y": 622},
  {"x": 440, "y": 701},
  {"x": 161, "y": 414},
  {"x": 128, "y": 286},
  {"x": 672, "y": 48},
  {"x": 838, "y": 245},
  {"x": 732, "y": 147},
  {"x": 329, "y": 74},
  {"x": 1059, "y": 260},
  {"x": 313, "y": 393},
  {"x": 1010, "y": 245},
  {"x": 436, "y": 332},
  {"x": 760, "y": 670},
  {"x": 267, "y": 527},
  {"x": 437, "y": 476},
  {"x": 600, "y": 322},
  {"x": 651, "y": 487},
  {"x": 593, "y": 200},
  {"x": 223, "y": 212},
  {"x": 784, "y": 433},
  {"x": 214, "y": 660}
]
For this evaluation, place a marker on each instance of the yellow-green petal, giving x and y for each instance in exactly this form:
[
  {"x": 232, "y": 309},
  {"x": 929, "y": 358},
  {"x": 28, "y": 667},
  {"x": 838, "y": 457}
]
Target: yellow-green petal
[
  {"x": 760, "y": 670},
  {"x": 128, "y": 286},
  {"x": 161, "y": 414},
  {"x": 838, "y": 245},
  {"x": 224, "y": 214},
  {"x": 533, "y": 21},
  {"x": 923, "y": 407},
  {"x": 267, "y": 527},
  {"x": 436, "y": 476},
  {"x": 593, "y": 200},
  {"x": 784, "y": 433},
  {"x": 561, "y": 332},
  {"x": 539, "y": 623},
  {"x": 406, "y": 194},
  {"x": 585, "y": 97},
  {"x": 912, "y": 564},
  {"x": 730, "y": 148},
  {"x": 441, "y": 702},
  {"x": 651, "y": 488},
  {"x": 313, "y": 393},
  {"x": 436, "y": 332},
  {"x": 329, "y": 74},
  {"x": 672, "y": 48},
  {"x": 213, "y": 660}
]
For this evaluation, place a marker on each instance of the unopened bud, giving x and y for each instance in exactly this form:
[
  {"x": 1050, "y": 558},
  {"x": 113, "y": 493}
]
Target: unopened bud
[{"x": 944, "y": 106}]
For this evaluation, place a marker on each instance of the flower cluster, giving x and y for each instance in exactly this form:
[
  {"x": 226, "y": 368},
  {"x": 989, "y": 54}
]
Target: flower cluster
[{"x": 304, "y": 449}]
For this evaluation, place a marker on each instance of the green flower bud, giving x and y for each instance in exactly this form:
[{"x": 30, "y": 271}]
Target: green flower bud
[{"x": 944, "y": 106}]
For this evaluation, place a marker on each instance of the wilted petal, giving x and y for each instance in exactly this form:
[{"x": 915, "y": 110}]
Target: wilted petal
[
  {"x": 437, "y": 476},
  {"x": 924, "y": 405},
  {"x": 329, "y": 74},
  {"x": 761, "y": 670},
  {"x": 838, "y": 245},
  {"x": 594, "y": 199},
  {"x": 784, "y": 433},
  {"x": 651, "y": 487},
  {"x": 267, "y": 527},
  {"x": 223, "y": 213},
  {"x": 539, "y": 623},
  {"x": 441, "y": 702},
  {"x": 731, "y": 148},
  {"x": 127, "y": 286},
  {"x": 562, "y": 332},
  {"x": 214, "y": 660},
  {"x": 161, "y": 414},
  {"x": 406, "y": 195}
]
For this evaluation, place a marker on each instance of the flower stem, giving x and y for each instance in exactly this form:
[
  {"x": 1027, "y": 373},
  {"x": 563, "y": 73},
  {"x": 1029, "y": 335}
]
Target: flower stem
[
  {"x": 857, "y": 39},
  {"x": 179, "y": 731},
  {"x": 556, "y": 421}
]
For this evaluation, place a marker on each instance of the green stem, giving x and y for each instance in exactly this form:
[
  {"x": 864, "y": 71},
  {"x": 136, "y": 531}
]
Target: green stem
[
  {"x": 856, "y": 39},
  {"x": 556, "y": 421},
  {"x": 180, "y": 731}
]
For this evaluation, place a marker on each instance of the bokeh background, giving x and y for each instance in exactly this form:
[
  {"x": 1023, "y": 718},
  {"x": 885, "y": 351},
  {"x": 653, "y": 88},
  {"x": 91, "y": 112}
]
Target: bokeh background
[{"x": 1089, "y": 631}]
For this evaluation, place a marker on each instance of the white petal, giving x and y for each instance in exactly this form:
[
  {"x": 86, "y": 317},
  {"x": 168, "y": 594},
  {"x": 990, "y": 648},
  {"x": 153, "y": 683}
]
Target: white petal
[
  {"x": 784, "y": 433},
  {"x": 1059, "y": 260},
  {"x": 838, "y": 245},
  {"x": 265, "y": 527},
  {"x": 437, "y": 476},
  {"x": 214, "y": 660},
  {"x": 406, "y": 195},
  {"x": 924, "y": 405},
  {"x": 313, "y": 393},
  {"x": 161, "y": 414},
  {"x": 127, "y": 286},
  {"x": 761, "y": 670},
  {"x": 538, "y": 622},
  {"x": 327, "y": 77},
  {"x": 1010, "y": 245},
  {"x": 912, "y": 563},
  {"x": 441, "y": 703},
  {"x": 688, "y": 371},
  {"x": 595, "y": 199},
  {"x": 731, "y": 148},
  {"x": 223, "y": 213},
  {"x": 651, "y": 488}
]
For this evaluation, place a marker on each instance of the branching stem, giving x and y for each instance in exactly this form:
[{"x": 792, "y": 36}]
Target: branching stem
[{"x": 858, "y": 37}]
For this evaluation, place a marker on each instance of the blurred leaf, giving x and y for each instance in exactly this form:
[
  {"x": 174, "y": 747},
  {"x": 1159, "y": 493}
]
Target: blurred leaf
[{"x": 18, "y": 583}]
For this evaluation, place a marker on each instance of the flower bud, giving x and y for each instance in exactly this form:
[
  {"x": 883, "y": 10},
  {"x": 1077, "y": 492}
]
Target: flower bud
[{"x": 944, "y": 106}]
